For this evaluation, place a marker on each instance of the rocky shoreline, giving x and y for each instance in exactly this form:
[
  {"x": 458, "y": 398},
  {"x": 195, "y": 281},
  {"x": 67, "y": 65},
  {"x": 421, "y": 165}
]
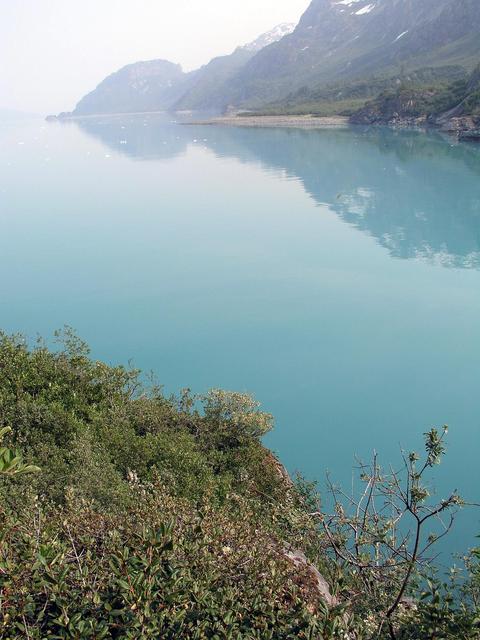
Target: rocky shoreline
[
  {"x": 466, "y": 128},
  {"x": 454, "y": 109}
]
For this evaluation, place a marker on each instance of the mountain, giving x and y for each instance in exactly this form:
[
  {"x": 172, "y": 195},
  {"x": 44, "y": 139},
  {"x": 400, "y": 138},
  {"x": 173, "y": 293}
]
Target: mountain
[
  {"x": 143, "y": 86},
  {"x": 270, "y": 37},
  {"x": 159, "y": 85},
  {"x": 210, "y": 89},
  {"x": 342, "y": 53},
  {"x": 341, "y": 41}
]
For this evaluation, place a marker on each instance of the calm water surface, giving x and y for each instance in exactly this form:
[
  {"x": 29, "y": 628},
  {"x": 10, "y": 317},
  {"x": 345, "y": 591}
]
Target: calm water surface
[{"x": 335, "y": 274}]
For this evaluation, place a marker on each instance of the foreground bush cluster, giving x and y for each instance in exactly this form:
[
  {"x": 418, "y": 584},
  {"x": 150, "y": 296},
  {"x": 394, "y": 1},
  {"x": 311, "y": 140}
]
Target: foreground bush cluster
[{"x": 155, "y": 517}]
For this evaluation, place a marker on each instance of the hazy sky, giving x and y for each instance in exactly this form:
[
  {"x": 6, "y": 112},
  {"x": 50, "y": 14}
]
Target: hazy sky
[{"x": 54, "y": 51}]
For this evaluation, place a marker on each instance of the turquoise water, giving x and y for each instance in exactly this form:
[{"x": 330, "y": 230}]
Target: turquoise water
[{"x": 335, "y": 274}]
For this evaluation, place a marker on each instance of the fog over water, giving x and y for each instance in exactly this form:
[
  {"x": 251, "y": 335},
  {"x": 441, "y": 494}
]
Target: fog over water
[{"x": 54, "y": 52}]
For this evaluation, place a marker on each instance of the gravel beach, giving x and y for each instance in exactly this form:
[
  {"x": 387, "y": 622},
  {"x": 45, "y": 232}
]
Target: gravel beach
[{"x": 303, "y": 122}]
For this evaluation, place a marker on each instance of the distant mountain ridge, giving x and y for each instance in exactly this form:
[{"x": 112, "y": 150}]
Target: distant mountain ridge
[
  {"x": 336, "y": 44},
  {"x": 144, "y": 86},
  {"x": 159, "y": 85}
]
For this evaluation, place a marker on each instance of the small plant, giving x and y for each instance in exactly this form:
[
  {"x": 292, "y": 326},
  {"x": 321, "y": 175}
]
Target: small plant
[{"x": 380, "y": 536}]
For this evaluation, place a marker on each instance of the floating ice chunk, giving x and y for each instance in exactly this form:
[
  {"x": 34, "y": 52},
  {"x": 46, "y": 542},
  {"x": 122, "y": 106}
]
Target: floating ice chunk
[
  {"x": 404, "y": 33},
  {"x": 366, "y": 9}
]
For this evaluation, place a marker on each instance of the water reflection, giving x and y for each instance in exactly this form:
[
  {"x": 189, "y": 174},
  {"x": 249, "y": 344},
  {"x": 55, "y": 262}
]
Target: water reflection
[{"x": 417, "y": 194}]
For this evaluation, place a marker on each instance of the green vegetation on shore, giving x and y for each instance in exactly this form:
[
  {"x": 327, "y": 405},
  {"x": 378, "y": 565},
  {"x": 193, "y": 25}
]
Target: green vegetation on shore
[
  {"x": 428, "y": 93},
  {"x": 347, "y": 97},
  {"x": 437, "y": 104},
  {"x": 155, "y": 517}
]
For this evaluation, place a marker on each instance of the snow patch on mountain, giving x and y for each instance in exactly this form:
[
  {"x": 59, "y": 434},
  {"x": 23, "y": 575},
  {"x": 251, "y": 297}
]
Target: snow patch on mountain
[{"x": 276, "y": 34}]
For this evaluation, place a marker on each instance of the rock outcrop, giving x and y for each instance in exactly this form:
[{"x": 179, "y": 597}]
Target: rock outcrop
[
  {"x": 311, "y": 578},
  {"x": 401, "y": 108},
  {"x": 454, "y": 108}
]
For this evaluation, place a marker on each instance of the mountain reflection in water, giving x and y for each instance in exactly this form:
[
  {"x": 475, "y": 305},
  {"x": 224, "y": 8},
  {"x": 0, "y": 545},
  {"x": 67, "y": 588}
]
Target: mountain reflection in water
[{"x": 417, "y": 194}]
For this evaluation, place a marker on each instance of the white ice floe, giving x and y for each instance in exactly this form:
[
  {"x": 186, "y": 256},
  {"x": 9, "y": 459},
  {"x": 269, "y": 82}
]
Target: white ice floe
[
  {"x": 404, "y": 33},
  {"x": 366, "y": 9}
]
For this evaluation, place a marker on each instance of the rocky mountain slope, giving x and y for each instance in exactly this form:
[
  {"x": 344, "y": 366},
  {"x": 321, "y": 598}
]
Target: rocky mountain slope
[{"x": 340, "y": 41}]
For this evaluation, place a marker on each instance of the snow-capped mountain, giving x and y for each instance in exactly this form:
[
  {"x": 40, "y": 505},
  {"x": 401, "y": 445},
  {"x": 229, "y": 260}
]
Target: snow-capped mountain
[
  {"x": 210, "y": 88},
  {"x": 337, "y": 41},
  {"x": 274, "y": 35}
]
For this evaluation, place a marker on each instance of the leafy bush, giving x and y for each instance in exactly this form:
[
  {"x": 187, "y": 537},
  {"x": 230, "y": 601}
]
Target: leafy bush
[{"x": 84, "y": 574}]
